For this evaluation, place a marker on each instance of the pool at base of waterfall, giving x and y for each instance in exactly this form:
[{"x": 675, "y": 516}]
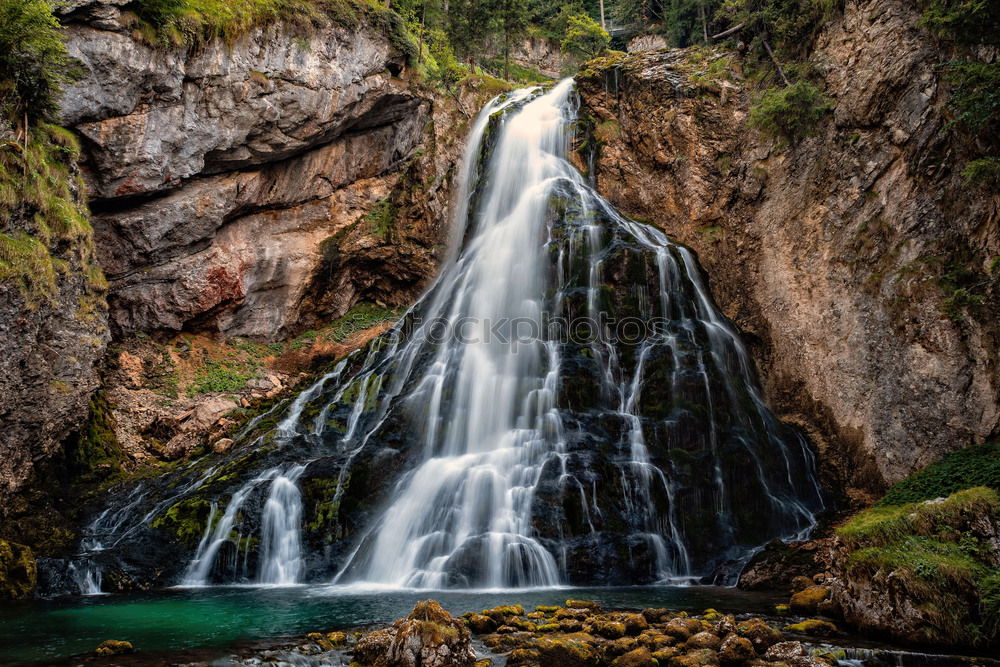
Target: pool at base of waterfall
[
  {"x": 40, "y": 632},
  {"x": 214, "y": 622}
]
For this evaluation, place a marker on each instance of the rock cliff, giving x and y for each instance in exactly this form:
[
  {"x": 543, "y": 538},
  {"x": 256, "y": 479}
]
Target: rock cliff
[
  {"x": 838, "y": 256},
  {"x": 254, "y": 188}
]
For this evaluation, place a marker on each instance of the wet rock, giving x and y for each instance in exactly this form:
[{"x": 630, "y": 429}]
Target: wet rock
[
  {"x": 682, "y": 628},
  {"x": 428, "y": 637},
  {"x": 725, "y": 625},
  {"x": 760, "y": 634},
  {"x": 703, "y": 640},
  {"x": 656, "y": 615},
  {"x": 481, "y": 624},
  {"x": 813, "y": 626},
  {"x": 736, "y": 650},
  {"x": 640, "y": 657},
  {"x": 785, "y": 651},
  {"x": 18, "y": 571},
  {"x": 704, "y": 657},
  {"x": 635, "y": 624},
  {"x": 114, "y": 647},
  {"x": 568, "y": 651},
  {"x": 583, "y": 604},
  {"x": 806, "y": 600},
  {"x": 608, "y": 629}
]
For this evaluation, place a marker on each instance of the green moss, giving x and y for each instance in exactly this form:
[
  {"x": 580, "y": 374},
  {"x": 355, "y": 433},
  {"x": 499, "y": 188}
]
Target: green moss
[
  {"x": 180, "y": 22},
  {"x": 96, "y": 453},
  {"x": 933, "y": 551},
  {"x": 978, "y": 465},
  {"x": 185, "y": 520},
  {"x": 18, "y": 571},
  {"x": 45, "y": 228}
]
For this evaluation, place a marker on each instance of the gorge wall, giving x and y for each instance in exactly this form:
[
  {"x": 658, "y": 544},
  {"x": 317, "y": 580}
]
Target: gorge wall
[
  {"x": 254, "y": 188},
  {"x": 833, "y": 255}
]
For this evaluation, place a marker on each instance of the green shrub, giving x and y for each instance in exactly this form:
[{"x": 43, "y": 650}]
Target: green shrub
[
  {"x": 584, "y": 38},
  {"x": 975, "y": 95},
  {"x": 970, "y": 21},
  {"x": 983, "y": 173},
  {"x": 978, "y": 465},
  {"x": 34, "y": 64},
  {"x": 220, "y": 377},
  {"x": 790, "y": 113}
]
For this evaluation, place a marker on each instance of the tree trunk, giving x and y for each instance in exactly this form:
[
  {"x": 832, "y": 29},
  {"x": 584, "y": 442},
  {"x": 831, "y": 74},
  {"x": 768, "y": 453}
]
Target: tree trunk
[
  {"x": 604, "y": 25},
  {"x": 704, "y": 22},
  {"x": 776, "y": 63}
]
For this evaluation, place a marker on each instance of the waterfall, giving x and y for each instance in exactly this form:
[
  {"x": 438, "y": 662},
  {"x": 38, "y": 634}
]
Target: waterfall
[
  {"x": 281, "y": 549},
  {"x": 565, "y": 405},
  {"x": 489, "y": 397}
]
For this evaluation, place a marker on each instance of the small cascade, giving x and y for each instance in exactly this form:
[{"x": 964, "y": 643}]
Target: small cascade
[
  {"x": 87, "y": 576},
  {"x": 281, "y": 541}
]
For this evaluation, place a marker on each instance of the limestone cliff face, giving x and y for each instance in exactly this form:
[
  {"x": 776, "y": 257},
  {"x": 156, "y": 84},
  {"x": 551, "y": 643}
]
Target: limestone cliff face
[
  {"x": 220, "y": 175},
  {"x": 256, "y": 188},
  {"x": 833, "y": 255}
]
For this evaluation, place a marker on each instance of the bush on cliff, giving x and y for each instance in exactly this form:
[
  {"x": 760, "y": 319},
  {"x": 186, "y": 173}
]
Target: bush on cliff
[
  {"x": 789, "y": 113},
  {"x": 978, "y": 465},
  {"x": 34, "y": 64}
]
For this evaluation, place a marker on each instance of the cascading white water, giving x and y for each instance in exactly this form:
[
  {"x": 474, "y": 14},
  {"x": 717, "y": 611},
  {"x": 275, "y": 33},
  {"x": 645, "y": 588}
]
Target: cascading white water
[
  {"x": 471, "y": 496},
  {"x": 281, "y": 540},
  {"x": 281, "y": 545},
  {"x": 519, "y": 457}
]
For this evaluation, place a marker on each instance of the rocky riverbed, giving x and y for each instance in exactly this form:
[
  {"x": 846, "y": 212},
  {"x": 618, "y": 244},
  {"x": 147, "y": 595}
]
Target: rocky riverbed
[{"x": 577, "y": 633}]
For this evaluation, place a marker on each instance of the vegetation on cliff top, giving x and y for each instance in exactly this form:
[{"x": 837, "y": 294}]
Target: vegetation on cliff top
[
  {"x": 45, "y": 231},
  {"x": 978, "y": 465},
  {"x": 941, "y": 552}
]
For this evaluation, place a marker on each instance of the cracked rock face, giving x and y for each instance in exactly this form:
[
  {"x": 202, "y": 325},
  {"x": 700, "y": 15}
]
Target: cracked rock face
[
  {"x": 220, "y": 175},
  {"x": 825, "y": 252}
]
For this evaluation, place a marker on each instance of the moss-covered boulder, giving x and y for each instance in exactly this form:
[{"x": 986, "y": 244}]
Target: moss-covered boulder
[
  {"x": 428, "y": 637},
  {"x": 813, "y": 626},
  {"x": 925, "y": 572},
  {"x": 111, "y": 647},
  {"x": 806, "y": 600},
  {"x": 18, "y": 571}
]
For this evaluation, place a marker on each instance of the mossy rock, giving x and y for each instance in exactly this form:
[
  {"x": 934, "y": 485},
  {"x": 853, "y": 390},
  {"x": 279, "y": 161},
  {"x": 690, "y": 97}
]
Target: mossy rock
[
  {"x": 18, "y": 571},
  {"x": 813, "y": 626},
  {"x": 806, "y": 601},
  {"x": 185, "y": 520},
  {"x": 114, "y": 647}
]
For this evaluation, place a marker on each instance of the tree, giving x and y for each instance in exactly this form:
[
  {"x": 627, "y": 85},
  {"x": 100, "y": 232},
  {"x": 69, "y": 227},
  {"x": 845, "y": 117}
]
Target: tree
[
  {"x": 513, "y": 21},
  {"x": 584, "y": 39},
  {"x": 34, "y": 64}
]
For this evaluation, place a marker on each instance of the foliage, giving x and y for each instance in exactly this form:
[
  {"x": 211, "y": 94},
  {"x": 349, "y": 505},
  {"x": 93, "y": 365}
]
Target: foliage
[
  {"x": 970, "y": 21},
  {"x": 179, "y": 22},
  {"x": 362, "y": 316},
  {"x": 220, "y": 376},
  {"x": 975, "y": 95},
  {"x": 939, "y": 555},
  {"x": 983, "y": 173},
  {"x": 978, "y": 465},
  {"x": 584, "y": 38},
  {"x": 789, "y": 26},
  {"x": 792, "y": 112},
  {"x": 381, "y": 218},
  {"x": 34, "y": 64},
  {"x": 39, "y": 210}
]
